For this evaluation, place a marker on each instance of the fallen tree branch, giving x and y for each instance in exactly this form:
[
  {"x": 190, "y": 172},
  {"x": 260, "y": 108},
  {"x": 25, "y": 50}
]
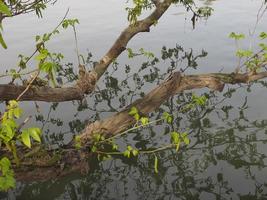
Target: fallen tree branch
[
  {"x": 176, "y": 83},
  {"x": 71, "y": 160}
]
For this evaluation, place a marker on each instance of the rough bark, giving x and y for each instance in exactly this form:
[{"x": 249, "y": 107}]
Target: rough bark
[{"x": 176, "y": 83}]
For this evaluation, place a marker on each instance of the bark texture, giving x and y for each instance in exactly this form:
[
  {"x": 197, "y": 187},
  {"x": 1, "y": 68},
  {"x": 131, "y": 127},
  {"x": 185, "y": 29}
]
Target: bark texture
[{"x": 174, "y": 84}]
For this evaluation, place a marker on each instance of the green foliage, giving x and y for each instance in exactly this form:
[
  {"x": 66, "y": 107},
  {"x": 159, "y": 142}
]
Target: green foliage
[
  {"x": 136, "y": 10},
  {"x": 244, "y": 53},
  {"x": 29, "y": 133},
  {"x": 204, "y": 11},
  {"x": 4, "y": 9},
  {"x": 147, "y": 54},
  {"x": 69, "y": 22},
  {"x": 168, "y": 118},
  {"x": 7, "y": 180},
  {"x": 263, "y": 35},
  {"x": 77, "y": 141},
  {"x": 134, "y": 112},
  {"x": 11, "y": 8},
  {"x": 9, "y": 132},
  {"x": 177, "y": 138},
  {"x": 130, "y": 151},
  {"x": 236, "y": 36},
  {"x": 253, "y": 61},
  {"x": 195, "y": 102}
]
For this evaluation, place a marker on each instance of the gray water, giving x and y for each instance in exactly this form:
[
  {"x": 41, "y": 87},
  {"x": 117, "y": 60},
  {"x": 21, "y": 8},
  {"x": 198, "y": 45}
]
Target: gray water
[{"x": 226, "y": 158}]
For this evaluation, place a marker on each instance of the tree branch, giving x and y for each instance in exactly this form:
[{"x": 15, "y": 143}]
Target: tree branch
[
  {"x": 120, "y": 44},
  {"x": 176, "y": 83}
]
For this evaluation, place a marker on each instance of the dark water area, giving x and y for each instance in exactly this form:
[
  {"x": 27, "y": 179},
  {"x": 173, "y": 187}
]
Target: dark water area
[{"x": 227, "y": 152}]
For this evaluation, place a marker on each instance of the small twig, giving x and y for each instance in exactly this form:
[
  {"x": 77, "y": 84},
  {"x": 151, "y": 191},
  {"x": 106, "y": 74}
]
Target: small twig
[
  {"x": 29, "y": 85},
  {"x": 24, "y": 122}
]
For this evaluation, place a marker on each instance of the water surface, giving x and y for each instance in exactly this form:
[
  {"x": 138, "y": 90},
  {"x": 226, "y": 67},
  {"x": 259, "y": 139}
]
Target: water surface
[{"x": 227, "y": 154}]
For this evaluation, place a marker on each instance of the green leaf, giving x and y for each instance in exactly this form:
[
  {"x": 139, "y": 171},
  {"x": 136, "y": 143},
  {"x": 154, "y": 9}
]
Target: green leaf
[
  {"x": 156, "y": 164},
  {"x": 93, "y": 149},
  {"x": 129, "y": 148},
  {"x": 244, "y": 53},
  {"x": 127, "y": 153},
  {"x": 5, "y": 165},
  {"x": 4, "y": 9},
  {"x": 47, "y": 67},
  {"x": 167, "y": 117},
  {"x": 186, "y": 141},
  {"x": 25, "y": 138},
  {"x": 133, "y": 111},
  {"x": 17, "y": 112},
  {"x": 144, "y": 120},
  {"x": 135, "y": 152},
  {"x": 2, "y": 42},
  {"x": 35, "y": 133},
  {"x": 236, "y": 36},
  {"x": 42, "y": 55},
  {"x": 263, "y": 35},
  {"x": 114, "y": 147},
  {"x": 175, "y": 137},
  {"x": 136, "y": 116},
  {"x": 9, "y": 132}
]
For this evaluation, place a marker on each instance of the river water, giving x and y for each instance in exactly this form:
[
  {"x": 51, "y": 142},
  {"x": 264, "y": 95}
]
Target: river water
[{"x": 227, "y": 153}]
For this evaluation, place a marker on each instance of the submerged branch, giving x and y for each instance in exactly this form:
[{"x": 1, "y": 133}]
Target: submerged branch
[
  {"x": 174, "y": 84},
  {"x": 53, "y": 164}
]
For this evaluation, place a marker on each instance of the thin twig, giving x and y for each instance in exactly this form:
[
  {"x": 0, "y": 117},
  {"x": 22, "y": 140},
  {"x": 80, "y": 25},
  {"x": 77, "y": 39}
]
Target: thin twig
[{"x": 29, "y": 85}]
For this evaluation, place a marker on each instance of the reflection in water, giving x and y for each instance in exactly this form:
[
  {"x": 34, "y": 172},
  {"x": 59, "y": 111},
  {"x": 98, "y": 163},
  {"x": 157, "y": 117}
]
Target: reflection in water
[{"x": 225, "y": 159}]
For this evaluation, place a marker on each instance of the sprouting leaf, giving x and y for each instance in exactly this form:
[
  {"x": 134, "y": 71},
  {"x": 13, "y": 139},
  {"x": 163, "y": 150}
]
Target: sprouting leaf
[
  {"x": 114, "y": 147},
  {"x": 156, "y": 164},
  {"x": 97, "y": 137},
  {"x": 77, "y": 140},
  {"x": 244, "y": 53},
  {"x": 135, "y": 152},
  {"x": 9, "y": 132},
  {"x": 175, "y": 137},
  {"x": 263, "y": 35},
  {"x": 167, "y": 117},
  {"x": 102, "y": 137},
  {"x": 4, "y": 9},
  {"x": 127, "y": 153},
  {"x": 186, "y": 141},
  {"x": 42, "y": 55},
  {"x": 25, "y": 138},
  {"x": 236, "y": 36},
  {"x": 263, "y": 46},
  {"x": 93, "y": 149},
  {"x": 136, "y": 116},
  {"x": 130, "y": 53},
  {"x": 133, "y": 111},
  {"x": 144, "y": 120},
  {"x": 129, "y": 148}
]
